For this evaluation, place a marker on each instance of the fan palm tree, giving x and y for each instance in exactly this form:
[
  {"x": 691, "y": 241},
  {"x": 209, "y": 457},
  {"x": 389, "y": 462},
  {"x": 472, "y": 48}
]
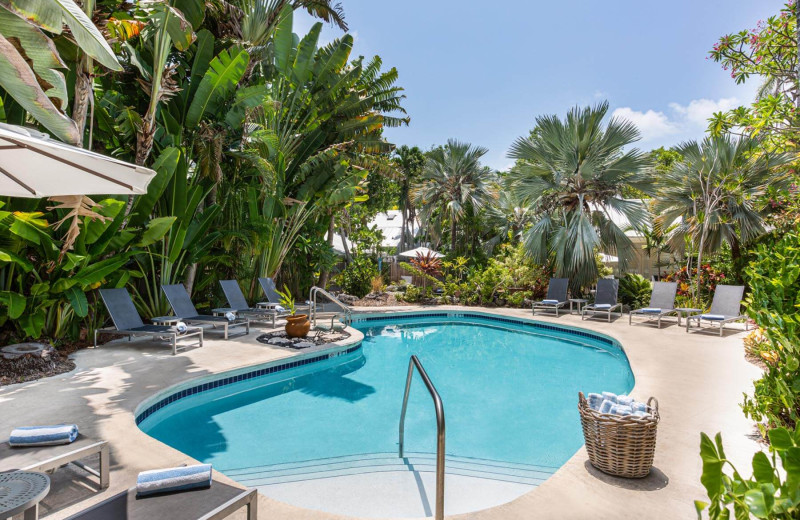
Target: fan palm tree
[
  {"x": 571, "y": 174},
  {"x": 714, "y": 192},
  {"x": 453, "y": 183}
]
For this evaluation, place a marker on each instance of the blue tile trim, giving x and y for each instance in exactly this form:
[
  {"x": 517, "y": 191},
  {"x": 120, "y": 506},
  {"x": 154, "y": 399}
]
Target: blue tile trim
[
  {"x": 470, "y": 315},
  {"x": 253, "y": 374}
]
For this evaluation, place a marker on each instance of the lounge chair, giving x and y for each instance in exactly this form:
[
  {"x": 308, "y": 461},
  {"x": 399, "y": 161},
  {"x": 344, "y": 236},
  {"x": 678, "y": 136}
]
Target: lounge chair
[
  {"x": 662, "y": 302},
  {"x": 556, "y": 296},
  {"x": 238, "y": 303},
  {"x": 51, "y": 458},
  {"x": 605, "y": 299},
  {"x": 216, "y": 502},
  {"x": 128, "y": 323},
  {"x": 184, "y": 309},
  {"x": 725, "y": 308},
  {"x": 274, "y": 299}
]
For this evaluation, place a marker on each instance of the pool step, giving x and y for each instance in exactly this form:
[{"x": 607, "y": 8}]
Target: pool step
[{"x": 384, "y": 462}]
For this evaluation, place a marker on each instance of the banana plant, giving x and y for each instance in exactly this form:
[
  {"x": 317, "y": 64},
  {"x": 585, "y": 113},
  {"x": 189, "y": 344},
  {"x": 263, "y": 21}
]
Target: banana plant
[{"x": 31, "y": 66}]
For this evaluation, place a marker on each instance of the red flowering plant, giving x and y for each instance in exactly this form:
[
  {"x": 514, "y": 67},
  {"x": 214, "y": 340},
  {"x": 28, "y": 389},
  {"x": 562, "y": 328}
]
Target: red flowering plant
[{"x": 709, "y": 278}]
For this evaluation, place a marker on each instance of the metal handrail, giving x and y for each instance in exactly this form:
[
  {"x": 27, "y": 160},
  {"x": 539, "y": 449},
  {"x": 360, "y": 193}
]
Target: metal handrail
[
  {"x": 312, "y": 297},
  {"x": 437, "y": 403}
]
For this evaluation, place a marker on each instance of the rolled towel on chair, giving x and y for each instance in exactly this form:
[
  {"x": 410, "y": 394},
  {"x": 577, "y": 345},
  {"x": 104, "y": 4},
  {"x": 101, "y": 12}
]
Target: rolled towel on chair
[
  {"x": 230, "y": 316},
  {"x": 651, "y": 310},
  {"x": 602, "y": 306},
  {"x": 170, "y": 480},
  {"x": 43, "y": 435},
  {"x": 594, "y": 400},
  {"x": 550, "y": 302},
  {"x": 714, "y": 317}
]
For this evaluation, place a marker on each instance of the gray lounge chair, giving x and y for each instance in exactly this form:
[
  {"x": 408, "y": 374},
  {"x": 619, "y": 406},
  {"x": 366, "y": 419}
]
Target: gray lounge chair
[
  {"x": 556, "y": 296},
  {"x": 214, "y": 503},
  {"x": 51, "y": 458},
  {"x": 128, "y": 323},
  {"x": 725, "y": 308},
  {"x": 184, "y": 309},
  {"x": 238, "y": 303},
  {"x": 274, "y": 299},
  {"x": 662, "y": 303},
  {"x": 605, "y": 299}
]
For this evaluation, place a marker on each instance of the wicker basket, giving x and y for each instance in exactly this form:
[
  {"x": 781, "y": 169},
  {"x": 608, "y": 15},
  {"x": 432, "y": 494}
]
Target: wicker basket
[{"x": 620, "y": 445}]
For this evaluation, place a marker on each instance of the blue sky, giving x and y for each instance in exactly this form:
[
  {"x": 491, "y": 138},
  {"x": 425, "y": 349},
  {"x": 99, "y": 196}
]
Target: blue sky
[{"x": 481, "y": 72}]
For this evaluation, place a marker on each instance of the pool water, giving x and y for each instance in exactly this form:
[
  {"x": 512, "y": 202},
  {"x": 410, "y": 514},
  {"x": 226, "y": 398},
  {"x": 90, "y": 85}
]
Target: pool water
[{"x": 509, "y": 394}]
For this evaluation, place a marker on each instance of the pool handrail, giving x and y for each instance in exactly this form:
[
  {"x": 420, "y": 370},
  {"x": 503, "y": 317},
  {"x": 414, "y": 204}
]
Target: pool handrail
[
  {"x": 440, "y": 429},
  {"x": 312, "y": 299}
]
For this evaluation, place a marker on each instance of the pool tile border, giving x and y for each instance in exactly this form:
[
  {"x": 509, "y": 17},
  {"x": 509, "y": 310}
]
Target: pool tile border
[
  {"x": 401, "y": 316},
  {"x": 245, "y": 376}
]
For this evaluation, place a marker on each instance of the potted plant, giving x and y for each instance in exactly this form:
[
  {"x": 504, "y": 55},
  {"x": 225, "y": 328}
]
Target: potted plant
[{"x": 297, "y": 325}]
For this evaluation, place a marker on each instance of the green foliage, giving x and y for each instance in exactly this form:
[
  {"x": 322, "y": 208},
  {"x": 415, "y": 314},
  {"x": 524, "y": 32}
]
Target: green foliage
[
  {"x": 412, "y": 294},
  {"x": 773, "y": 490},
  {"x": 356, "y": 278},
  {"x": 634, "y": 290},
  {"x": 774, "y": 304},
  {"x": 287, "y": 300},
  {"x": 568, "y": 172},
  {"x": 510, "y": 269}
]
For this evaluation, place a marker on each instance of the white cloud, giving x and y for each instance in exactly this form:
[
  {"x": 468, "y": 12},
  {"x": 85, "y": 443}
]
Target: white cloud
[
  {"x": 682, "y": 122},
  {"x": 652, "y": 124}
]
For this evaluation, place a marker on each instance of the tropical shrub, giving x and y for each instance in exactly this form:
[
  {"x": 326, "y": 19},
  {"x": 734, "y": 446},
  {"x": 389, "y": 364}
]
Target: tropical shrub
[
  {"x": 774, "y": 305},
  {"x": 757, "y": 345},
  {"x": 377, "y": 284},
  {"x": 356, "y": 278},
  {"x": 709, "y": 278},
  {"x": 634, "y": 290},
  {"x": 412, "y": 294},
  {"x": 772, "y": 492}
]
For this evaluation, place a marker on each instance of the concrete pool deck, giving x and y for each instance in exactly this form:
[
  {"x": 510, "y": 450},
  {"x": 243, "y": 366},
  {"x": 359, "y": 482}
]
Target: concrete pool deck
[{"x": 698, "y": 379}]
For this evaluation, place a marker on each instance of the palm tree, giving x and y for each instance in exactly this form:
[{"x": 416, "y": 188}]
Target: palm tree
[
  {"x": 571, "y": 174},
  {"x": 715, "y": 190},
  {"x": 453, "y": 183},
  {"x": 409, "y": 163}
]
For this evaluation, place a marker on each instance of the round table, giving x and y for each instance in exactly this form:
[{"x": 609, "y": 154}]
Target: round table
[
  {"x": 579, "y": 301},
  {"x": 21, "y": 491},
  {"x": 165, "y": 320},
  {"x": 686, "y": 312}
]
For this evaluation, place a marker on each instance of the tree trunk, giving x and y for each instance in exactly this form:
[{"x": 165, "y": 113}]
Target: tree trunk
[
  {"x": 699, "y": 263},
  {"x": 452, "y": 235},
  {"x": 347, "y": 257},
  {"x": 325, "y": 274}
]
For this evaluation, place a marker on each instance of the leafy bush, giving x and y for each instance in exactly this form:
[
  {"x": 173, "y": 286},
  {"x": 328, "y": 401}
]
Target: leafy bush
[
  {"x": 757, "y": 345},
  {"x": 774, "y": 304},
  {"x": 412, "y": 295},
  {"x": 356, "y": 279},
  {"x": 510, "y": 269},
  {"x": 764, "y": 495},
  {"x": 634, "y": 291},
  {"x": 709, "y": 278},
  {"x": 377, "y": 284}
]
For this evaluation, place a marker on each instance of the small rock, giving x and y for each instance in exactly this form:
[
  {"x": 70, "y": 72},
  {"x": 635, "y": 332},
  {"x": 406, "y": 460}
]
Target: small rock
[
  {"x": 281, "y": 342},
  {"x": 303, "y": 344}
]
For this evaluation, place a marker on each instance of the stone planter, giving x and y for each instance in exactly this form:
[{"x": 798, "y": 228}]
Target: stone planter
[{"x": 297, "y": 326}]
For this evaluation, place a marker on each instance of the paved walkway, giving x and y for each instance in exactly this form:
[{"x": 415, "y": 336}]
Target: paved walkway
[{"x": 697, "y": 378}]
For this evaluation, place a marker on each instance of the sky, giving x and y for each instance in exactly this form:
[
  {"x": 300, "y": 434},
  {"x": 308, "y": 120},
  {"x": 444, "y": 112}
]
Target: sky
[{"x": 482, "y": 72}]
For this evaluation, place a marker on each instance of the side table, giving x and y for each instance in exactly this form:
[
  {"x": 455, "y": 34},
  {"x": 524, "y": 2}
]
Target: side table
[
  {"x": 580, "y": 302},
  {"x": 21, "y": 492}
]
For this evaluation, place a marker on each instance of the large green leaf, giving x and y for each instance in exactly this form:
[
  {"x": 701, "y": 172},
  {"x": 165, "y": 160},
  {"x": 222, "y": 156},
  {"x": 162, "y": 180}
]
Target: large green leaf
[
  {"x": 88, "y": 37},
  {"x": 218, "y": 83},
  {"x": 169, "y": 19},
  {"x": 712, "y": 467},
  {"x": 304, "y": 59},
  {"x": 164, "y": 165},
  {"x": 30, "y": 226},
  {"x": 284, "y": 39},
  {"x": 24, "y": 263},
  {"x": 96, "y": 272},
  {"x": 77, "y": 298},
  {"x": 14, "y": 302},
  {"x": 156, "y": 229},
  {"x": 41, "y": 53},
  {"x": 203, "y": 54},
  {"x": 192, "y": 10},
  {"x": 42, "y": 13},
  {"x": 18, "y": 79},
  {"x": 32, "y": 323}
]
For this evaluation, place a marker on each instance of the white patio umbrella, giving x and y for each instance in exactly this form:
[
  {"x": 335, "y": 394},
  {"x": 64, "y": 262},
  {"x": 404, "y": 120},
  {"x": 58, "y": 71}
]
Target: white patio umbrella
[
  {"x": 609, "y": 259},
  {"x": 421, "y": 251},
  {"x": 33, "y": 165}
]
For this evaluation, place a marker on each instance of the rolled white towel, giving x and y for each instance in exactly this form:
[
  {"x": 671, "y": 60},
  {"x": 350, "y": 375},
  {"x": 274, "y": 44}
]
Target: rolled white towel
[
  {"x": 180, "y": 327},
  {"x": 170, "y": 480},
  {"x": 639, "y": 407},
  {"x": 43, "y": 435},
  {"x": 550, "y": 302},
  {"x": 594, "y": 400},
  {"x": 610, "y": 396},
  {"x": 230, "y": 316},
  {"x": 621, "y": 409},
  {"x": 625, "y": 400},
  {"x": 602, "y": 306},
  {"x": 606, "y": 406}
]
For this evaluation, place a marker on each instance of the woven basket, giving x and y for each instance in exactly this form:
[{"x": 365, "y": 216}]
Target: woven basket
[{"x": 620, "y": 445}]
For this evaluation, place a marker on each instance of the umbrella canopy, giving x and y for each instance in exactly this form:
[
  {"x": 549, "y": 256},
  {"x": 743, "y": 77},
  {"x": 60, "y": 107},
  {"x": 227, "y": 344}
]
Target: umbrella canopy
[
  {"x": 34, "y": 166},
  {"x": 609, "y": 259},
  {"x": 421, "y": 251}
]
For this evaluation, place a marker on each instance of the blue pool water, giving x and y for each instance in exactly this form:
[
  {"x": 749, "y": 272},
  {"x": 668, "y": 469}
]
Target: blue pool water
[{"x": 509, "y": 393}]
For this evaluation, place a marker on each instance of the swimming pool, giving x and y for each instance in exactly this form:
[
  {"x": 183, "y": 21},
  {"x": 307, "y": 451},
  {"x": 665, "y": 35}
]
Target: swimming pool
[{"x": 323, "y": 433}]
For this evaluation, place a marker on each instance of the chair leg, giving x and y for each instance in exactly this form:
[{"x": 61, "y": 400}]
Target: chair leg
[
  {"x": 174, "y": 344},
  {"x": 95, "y": 338},
  {"x": 226, "y": 331},
  {"x": 105, "y": 464},
  {"x": 252, "y": 509}
]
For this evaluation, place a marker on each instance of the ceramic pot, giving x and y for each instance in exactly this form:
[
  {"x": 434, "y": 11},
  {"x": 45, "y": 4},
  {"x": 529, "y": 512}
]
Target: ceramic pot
[{"x": 297, "y": 326}]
